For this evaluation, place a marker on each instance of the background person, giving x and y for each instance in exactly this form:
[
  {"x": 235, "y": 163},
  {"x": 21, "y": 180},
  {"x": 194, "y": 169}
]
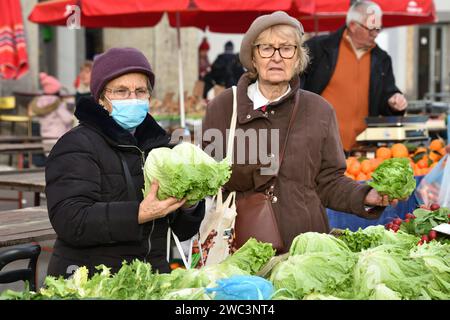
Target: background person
[
  {"x": 311, "y": 176},
  {"x": 204, "y": 66},
  {"x": 94, "y": 176},
  {"x": 52, "y": 112},
  {"x": 225, "y": 70},
  {"x": 353, "y": 73},
  {"x": 83, "y": 81}
]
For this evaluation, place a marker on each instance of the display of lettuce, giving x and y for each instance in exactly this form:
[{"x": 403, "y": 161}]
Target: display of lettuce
[
  {"x": 137, "y": 280},
  {"x": 324, "y": 273},
  {"x": 374, "y": 236},
  {"x": 184, "y": 171},
  {"x": 436, "y": 258},
  {"x": 310, "y": 242},
  {"x": 395, "y": 178},
  {"x": 252, "y": 256},
  {"x": 387, "y": 271}
]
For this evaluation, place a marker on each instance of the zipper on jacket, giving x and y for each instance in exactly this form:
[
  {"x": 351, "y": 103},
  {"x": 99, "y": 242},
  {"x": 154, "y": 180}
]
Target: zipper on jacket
[
  {"x": 149, "y": 242},
  {"x": 137, "y": 148},
  {"x": 142, "y": 166}
]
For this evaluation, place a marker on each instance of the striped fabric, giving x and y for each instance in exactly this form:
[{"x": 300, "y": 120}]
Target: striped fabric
[{"x": 13, "y": 51}]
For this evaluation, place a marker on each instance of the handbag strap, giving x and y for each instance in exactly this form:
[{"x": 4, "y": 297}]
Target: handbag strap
[
  {"x": 230, "y": 145},
  {"x": 187, "y": 263},
  {"x": 231, "y": 133},
  {"x": 291, "y": 122},
  {"x": 129, "y": 180},
  {"x": 294, "y": 112}
]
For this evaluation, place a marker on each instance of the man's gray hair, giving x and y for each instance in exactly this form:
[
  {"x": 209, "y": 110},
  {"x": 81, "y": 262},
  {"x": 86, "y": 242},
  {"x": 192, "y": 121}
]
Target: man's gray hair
[{"x": 360, "y": 11}]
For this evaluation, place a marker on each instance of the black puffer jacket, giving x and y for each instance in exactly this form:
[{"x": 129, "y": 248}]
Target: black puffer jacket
[
  {"x": 324, "y": 50},
  {"x": 94, "y": 214}
]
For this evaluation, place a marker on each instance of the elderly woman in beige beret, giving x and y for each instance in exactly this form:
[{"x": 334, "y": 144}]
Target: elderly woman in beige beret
[{"x": 311, "y": 176}]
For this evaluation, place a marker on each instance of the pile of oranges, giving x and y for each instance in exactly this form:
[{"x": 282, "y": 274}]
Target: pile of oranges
[{"x": 422, "y": 159}]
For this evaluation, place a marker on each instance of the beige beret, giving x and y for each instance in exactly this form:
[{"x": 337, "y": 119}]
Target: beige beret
[{"x": 259, "y": 25}]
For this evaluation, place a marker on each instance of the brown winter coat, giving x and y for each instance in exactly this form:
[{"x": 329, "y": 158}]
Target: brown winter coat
[{"x": 311, "y": 177}]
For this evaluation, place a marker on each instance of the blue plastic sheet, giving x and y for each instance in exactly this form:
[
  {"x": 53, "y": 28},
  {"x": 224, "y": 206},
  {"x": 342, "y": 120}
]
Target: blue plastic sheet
[
  {"x": 343, "y": 220},
  {"x": 242, "y": 288}
]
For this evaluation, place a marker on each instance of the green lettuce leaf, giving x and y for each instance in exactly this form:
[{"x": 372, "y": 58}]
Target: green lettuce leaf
[
  {"x": 185, "y": 171},
  {"x": 310, "y": 242},
  {"x": 395, "y": 178}
]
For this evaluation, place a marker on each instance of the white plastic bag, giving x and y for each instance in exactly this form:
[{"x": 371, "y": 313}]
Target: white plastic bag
[{"x": 435, "y": 186}]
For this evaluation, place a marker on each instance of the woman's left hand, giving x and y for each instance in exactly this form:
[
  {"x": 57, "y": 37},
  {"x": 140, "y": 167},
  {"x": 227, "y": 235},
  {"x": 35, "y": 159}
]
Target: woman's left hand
[{"x": 373, "y": 198}]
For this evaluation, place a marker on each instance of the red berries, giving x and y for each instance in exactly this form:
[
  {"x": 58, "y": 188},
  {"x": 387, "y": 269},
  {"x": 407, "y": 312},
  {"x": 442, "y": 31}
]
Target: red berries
[
  {"x": 410, "y": 216},
  {"x": 432, "y": 235},
  {"x": 435, "y": 207}
]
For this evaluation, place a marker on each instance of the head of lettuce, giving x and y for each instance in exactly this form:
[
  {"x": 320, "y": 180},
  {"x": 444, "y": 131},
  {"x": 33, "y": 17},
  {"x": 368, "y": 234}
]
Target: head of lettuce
[
  {"x": 394, "y": 178},
  {"x": 184, "y": 171}
]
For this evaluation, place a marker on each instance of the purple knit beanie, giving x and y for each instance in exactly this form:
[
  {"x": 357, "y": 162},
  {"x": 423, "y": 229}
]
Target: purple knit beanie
[{"x": 116, "y": 62}]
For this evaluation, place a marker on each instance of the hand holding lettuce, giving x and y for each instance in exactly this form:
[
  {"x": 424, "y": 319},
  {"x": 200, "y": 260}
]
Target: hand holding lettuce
[
  {"x": 184, "y": 171},
  {"x": 394, "y": 178}
]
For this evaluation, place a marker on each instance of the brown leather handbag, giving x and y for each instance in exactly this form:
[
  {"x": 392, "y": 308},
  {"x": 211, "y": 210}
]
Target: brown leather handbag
[
  {"x": 256, "y": 219},
  {"x": 255, "y": 216}
]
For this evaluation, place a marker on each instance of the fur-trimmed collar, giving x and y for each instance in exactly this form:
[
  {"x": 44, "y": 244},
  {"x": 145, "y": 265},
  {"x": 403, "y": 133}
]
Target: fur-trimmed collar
[{"x": 148, "y": 134}]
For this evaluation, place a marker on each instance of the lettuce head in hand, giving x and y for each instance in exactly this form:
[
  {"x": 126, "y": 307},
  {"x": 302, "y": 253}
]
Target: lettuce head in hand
[
  {"x": 184, "y": 171},
  {"x": 394, "y": 178}
]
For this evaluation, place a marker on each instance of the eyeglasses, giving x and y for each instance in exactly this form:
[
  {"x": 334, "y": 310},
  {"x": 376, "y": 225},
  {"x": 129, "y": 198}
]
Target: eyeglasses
[
  {"x": 124, "y": 93},
  {"x": 285, "y": 51},
  {"x": 377, "y": 30}
]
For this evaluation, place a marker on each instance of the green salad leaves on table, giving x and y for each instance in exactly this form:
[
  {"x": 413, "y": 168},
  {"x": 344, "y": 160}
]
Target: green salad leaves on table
[
  {"x": 137, "y": 281},
  {"x": 185, "y": 171},
  {"x": 395, "y": 178}
]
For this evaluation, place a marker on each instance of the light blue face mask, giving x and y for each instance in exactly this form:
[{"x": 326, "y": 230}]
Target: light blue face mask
[{"x": 129, "y": 113}]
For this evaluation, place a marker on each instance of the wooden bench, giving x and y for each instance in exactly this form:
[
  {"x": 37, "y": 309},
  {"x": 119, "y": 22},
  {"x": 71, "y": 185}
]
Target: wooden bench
[
  {"x": 25, "y": 226},
  {"x": 26, "y": 180}
]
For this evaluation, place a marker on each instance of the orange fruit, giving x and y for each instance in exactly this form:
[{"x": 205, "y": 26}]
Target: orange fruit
[
  {"x": 366, "y": 166},
  {"x": 369, "y": 176},
  {"x": 383, "y": 153},
  {"x": 435, "y": 156},
  {"x": 349, "y": 175},
  {"x": 349, "y": 161},
  {"x": 442, "y": 151},
  {"x": 354, "y": 168},
  {"x": 436, "y": 144},
  {"x": 375, "y": 163},
  {"x": 361, "y": 177},
  {"x": 418, "y": 171},
  {"x": 433, "y": 165},
  {"x": 420, "y": 150},
  {"x": 352, "y": 159},
  {"x": 422, "y": 163},
  {"x": 399, "y": 150}
]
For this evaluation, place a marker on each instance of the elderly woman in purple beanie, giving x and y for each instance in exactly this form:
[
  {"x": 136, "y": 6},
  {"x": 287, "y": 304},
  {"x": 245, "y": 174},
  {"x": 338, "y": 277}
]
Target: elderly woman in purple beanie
[
  {"x": 94, "y": 175},
  {"x": 269, "y": 101}
]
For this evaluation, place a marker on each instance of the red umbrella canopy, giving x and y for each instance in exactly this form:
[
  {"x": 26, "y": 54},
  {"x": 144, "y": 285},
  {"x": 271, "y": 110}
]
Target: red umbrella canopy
[
  {"x": 230, "y": 16},
  {"x": 102, "y": 13},
  {"x": 329, "y": 15},
  {"x": 13, "y": 51},
  {"x": 227, "y": 16}
]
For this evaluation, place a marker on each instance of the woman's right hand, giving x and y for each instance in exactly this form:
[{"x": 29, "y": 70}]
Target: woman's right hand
[{"x": 151, "y": 208}]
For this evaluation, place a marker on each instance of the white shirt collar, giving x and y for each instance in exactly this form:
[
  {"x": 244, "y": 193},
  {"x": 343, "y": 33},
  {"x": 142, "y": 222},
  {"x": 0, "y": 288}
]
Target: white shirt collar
[{"x": 258, "y": 98}]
